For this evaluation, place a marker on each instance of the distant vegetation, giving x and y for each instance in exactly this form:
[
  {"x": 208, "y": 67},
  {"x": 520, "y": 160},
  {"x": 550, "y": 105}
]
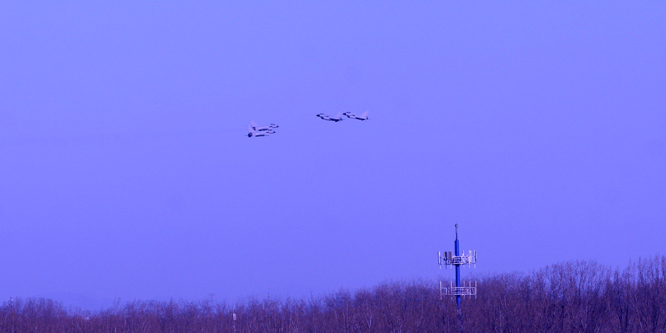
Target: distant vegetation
[{"x": 570, "y": 297}]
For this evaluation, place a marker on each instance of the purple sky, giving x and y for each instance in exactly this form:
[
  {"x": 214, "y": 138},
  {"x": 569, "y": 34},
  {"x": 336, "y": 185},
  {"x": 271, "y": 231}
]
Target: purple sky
[{"x": 125, "y": 169}]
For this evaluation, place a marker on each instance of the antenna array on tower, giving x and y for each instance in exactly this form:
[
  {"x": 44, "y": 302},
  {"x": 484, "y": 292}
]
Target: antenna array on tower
[{"x": 457, "y": 259}]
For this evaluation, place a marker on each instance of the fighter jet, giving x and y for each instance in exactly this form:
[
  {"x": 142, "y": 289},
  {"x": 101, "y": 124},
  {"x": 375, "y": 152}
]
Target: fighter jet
[
  {"x": 327, "y": 118},
  {"x": 258, "y": 128},
  {"x": 254, "y": 133},
  {"x": 364, "y": 116}
]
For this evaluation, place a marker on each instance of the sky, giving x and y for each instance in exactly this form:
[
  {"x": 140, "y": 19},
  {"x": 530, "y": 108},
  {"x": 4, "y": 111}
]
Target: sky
[{"x": 126, "y": 171}]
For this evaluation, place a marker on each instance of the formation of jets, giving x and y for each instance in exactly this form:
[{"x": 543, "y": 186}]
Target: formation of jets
[
  {"x": 255, "y": 130},
  {"x": 349, "y": 115}
]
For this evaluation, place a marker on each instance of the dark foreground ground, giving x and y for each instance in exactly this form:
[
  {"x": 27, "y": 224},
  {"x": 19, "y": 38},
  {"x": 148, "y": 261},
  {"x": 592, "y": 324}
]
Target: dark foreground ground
[{"x": 568, "y": 297}]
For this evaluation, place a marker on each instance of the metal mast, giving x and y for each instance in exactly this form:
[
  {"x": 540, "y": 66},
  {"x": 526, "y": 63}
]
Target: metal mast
[
  {"x": 457, "y": 260},
  {"x": 457, "y": 266}
]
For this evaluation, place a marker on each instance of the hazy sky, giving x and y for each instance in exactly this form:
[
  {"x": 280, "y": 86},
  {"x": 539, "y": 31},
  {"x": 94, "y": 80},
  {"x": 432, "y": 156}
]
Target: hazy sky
[{"x": 125, "y": 169}]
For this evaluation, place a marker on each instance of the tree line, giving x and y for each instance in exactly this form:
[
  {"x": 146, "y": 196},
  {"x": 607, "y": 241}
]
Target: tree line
[{"x": 578, "y": 296}]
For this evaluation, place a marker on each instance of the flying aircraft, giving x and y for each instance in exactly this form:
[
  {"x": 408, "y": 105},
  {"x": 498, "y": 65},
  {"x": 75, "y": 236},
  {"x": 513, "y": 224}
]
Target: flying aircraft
[
  {"x": 254, "y": 133},
  {"x": 327, "y": 118},
  {"x": 258, "y": 128},
  {"x": 364, "y": 116}
]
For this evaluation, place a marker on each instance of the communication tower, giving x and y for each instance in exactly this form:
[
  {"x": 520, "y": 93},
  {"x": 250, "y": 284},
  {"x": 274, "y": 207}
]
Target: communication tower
[{"x": 456, "y": 260}]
